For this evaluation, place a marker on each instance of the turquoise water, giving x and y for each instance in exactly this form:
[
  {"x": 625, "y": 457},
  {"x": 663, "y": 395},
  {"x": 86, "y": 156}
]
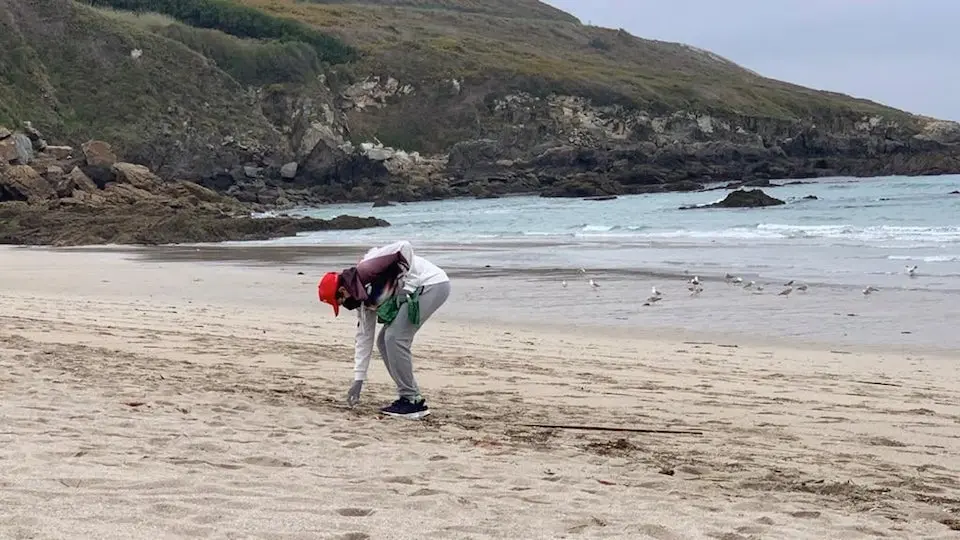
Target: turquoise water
[{"x": 858, "y": 232}]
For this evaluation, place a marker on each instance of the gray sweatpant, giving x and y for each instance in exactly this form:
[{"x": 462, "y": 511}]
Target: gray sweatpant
[{"x": 396, "y": 338}]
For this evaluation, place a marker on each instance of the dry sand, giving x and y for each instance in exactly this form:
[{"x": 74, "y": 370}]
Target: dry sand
[{"x": 191, "y": 400}]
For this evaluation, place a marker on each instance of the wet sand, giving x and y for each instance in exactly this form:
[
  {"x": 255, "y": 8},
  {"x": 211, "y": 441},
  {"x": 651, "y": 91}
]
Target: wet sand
[{"x": 162, "y": 398}]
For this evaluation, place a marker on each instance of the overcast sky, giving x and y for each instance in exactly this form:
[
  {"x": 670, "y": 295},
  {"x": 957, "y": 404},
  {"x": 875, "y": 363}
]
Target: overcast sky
[{"x": 903, "y": 53}]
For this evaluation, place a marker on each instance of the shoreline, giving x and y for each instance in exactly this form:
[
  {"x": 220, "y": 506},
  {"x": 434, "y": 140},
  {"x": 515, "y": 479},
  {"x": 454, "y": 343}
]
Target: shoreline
[
  {"x": 147, "y": 399},
  {"x": 472, "y": 283}
]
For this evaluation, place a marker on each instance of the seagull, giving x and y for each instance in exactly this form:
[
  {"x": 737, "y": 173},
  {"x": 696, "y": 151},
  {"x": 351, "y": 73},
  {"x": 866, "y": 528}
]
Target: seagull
[
  {"x": 697, "y": 289},
  {"x": 738, "y": 280},
  {"x": 759, "y": 288},
  {"x": 655, "y": 292},
  {"x": 564, "y": 284},
  {"x": 786, "y": 292},
  {"x": 911, "y": 270},
  {"x": 750, "y": 285},
  {"x": 594, "y": 284},
  {"x": 788, "y": 284},
  {"x": 729, "y": 277},
  {"x": 652, "y": 300},
  {"x": 802, "y": 287},
  {"x": 695, "y": 280},
  {"x": 583, "y": 271},
  {"x": 869, "y": 290}
]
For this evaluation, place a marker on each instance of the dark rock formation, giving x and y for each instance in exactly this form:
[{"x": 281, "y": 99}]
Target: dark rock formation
[{"x": 753, "y": 198}]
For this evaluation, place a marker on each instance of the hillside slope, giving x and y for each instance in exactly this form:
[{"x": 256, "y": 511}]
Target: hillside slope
[{"x": 429, "y": 98}]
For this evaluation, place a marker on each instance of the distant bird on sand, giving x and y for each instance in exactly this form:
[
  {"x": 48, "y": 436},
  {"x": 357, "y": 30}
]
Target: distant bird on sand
[
  {"x": 738, "y": 280},
  {"x": 869, "y": 290},
  {"x": 583, "y": 271},
  {"x": 654, "y": 292},
  {"x": 563, "y": 284},
  {"x": 750, "y": 285},
  {"x": 652, "y": 300},
  {"x": 695, "y": 280},
  {"x": 786, "y": 292},
  {"x": 695, "y": 290},
  {"x": 594, "y": 284},
  {"x": 789, "y": 283},
  {"x": 911, "y": 270},
  {"x": 802, "y": 287}
]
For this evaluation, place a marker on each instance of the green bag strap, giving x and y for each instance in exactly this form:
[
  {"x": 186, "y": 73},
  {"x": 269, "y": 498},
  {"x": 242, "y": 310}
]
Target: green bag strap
[{"x": 413, "y": 308}]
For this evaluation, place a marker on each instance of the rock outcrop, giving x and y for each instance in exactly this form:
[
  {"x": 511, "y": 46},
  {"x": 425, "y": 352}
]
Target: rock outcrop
[
  {"x": 750, "y": 198},
  {"x": 41, "y": 204}
]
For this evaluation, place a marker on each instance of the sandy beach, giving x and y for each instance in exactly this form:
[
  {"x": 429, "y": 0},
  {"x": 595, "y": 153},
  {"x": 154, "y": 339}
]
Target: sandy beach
[{"x": 152, "y": 398}]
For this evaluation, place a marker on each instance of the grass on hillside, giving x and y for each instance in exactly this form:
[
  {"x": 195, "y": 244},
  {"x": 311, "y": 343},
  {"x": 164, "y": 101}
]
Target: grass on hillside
[
  {"x": 520, "y": 9},
  {"x": 609, "y": 65},
  {"x": 241, "y": 21}
]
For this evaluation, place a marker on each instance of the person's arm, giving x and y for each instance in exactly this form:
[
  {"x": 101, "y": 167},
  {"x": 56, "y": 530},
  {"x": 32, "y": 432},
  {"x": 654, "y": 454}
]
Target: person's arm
[{"x": 366, "y": 330}]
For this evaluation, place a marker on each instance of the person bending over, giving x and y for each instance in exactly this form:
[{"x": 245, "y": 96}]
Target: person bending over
[{"x": 401, "y": 290}]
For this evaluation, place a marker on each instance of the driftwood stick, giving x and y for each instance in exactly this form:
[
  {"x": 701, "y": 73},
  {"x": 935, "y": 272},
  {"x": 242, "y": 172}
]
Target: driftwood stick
[
  {"x": 630, "y": 430},
  {"x": 879, "y": 383}
]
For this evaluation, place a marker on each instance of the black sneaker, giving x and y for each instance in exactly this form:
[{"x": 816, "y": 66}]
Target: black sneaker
[{"x": 404, "y": 408}]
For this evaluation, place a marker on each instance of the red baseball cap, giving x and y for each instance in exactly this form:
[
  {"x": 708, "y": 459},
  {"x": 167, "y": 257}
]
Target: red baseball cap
[{"x": 327, "y": 291}]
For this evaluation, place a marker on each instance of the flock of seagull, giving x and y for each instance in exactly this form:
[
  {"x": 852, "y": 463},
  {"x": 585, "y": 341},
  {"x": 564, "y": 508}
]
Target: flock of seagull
[{"x": 696, "y": 288}]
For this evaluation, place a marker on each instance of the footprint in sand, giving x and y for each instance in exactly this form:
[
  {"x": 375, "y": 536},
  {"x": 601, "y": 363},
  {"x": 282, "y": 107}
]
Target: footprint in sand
[{"x": 355, "y": 512}]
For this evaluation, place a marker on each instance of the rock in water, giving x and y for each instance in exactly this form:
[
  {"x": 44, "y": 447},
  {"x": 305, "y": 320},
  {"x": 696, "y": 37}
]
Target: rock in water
[
  {"x": 740, "y": 198},
  {"x": 289, "y": 171},
  {"x": 379, "y": 203},
  {"x": 98, "y": 153},
  {"x": 22, "y": 183}
]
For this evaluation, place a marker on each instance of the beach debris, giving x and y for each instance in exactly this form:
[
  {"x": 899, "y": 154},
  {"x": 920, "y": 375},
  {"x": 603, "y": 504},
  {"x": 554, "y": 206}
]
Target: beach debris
[
  {"x": 879, "y": 383},
  {"x": 911, "y": 270},
  {"x": 786, "y": 292},
  {"x": 869, "y": 290},
  {"x": 667, "y": 471},
  {"x": 652, "y": 300},
  {"x": 621, "y": 429}
]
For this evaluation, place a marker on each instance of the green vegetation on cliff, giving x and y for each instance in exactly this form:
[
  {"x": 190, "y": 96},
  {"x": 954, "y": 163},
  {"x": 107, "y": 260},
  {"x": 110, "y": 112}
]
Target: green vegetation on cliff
[{"x": 238, "y": 20}]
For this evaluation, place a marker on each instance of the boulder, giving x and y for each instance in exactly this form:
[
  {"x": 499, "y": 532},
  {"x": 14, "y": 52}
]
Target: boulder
[
  {"x": 137, "y": 176},
  {"x": 128, "y": 194},
  {"x": 811, "y": 198},
  {"x": 60, "y": 152},
  {"x": 252, "y": 172},
  {"x": 186, "y": 190},
  {"x": 379, "y": 203},
  {"x": 36, "y": 139},
  {"x": 289, "y": 171},
  {"x": 24, "y": 148},
  {"x": 4, "y": 133},
  {"x": 98, "y": 153},
  {"x": 22, "y": 183},
  {"x": 73, "y": 182},
  {"x": 8, "y": 151},
  {"x": 54, "y": 175},
  {"x": 740, "y": 198}
]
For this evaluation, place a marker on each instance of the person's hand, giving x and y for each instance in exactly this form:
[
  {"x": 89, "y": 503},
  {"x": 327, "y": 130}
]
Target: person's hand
[{"x": 353, "y": 395}]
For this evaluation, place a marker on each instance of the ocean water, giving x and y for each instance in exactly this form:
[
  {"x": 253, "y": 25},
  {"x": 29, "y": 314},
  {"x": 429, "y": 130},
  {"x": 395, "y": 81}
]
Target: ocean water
[{"x": 857, "y": 232}]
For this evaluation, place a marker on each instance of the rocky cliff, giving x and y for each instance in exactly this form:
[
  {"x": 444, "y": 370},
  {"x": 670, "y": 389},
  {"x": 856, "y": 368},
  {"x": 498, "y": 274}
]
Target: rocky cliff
[{"x": 429, "y": 100}]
